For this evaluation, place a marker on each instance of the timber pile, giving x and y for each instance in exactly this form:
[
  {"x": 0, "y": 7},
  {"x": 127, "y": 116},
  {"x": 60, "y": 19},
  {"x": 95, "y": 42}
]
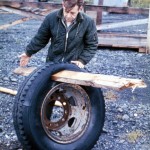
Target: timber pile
[{"x": 132, "y": 41}]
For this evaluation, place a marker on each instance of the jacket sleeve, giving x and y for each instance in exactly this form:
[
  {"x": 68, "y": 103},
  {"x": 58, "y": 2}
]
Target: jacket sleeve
[
  {"x": 41, "y": 38},
  {"x": 90, "y": 43}
]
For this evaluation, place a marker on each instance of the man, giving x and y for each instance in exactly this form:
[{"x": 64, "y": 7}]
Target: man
[{"x": 73, "y": 36}]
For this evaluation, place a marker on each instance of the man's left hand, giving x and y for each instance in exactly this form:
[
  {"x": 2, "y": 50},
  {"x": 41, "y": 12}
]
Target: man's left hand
[{"x": 78, "y": 63}]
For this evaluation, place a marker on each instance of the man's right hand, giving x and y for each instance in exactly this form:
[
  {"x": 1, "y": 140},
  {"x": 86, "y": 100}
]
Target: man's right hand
[{"x": 24, "y": 59}]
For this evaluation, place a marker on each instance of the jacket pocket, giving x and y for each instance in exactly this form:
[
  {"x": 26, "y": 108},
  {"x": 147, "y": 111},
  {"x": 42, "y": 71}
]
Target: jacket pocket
[{"x": 58, "y": 46}]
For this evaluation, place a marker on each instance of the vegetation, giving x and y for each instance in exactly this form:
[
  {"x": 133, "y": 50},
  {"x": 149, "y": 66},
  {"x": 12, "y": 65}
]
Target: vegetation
[
  {"x": 134, "y": 136},
  {"x": 140, "y": 3}
]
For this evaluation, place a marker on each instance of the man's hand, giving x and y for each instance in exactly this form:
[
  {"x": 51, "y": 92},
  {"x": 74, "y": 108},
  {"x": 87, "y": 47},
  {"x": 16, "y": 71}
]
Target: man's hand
[
  {"x": 24, "y": 59},
  {"x": 78, "y": 63}
]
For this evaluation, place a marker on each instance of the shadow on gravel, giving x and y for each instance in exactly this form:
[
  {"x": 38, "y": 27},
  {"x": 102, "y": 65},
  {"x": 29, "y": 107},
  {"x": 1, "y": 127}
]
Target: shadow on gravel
[{"x": 13, "y": 145}]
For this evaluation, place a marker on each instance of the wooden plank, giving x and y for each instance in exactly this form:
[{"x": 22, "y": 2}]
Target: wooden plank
[
  {"x": 121, "y": 24},
  {"x": 122, "y": 42},
  {"x": 23, "y": 13},
  {"x": 25, "y": 71},
  {"x": 142, "y": 50},
  {"x": 14, "y": 92},
  {"x": 126, "y": 10},
  {"x": 13, "y": 23},
  {"x": 42, "y": 5},
  {"x": 4, "y": 12},
  {"x": 89, "y": 79},
  {"x": 8, "y": 91},
  {"x": 52, "y": 6},
  {"x": 114, "y": 34},
  {"x": 97, "y": 80}
]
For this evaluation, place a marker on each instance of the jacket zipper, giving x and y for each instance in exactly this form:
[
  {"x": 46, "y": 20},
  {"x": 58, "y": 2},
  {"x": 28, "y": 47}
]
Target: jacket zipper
[
  {"x": 65, "y": 44},
  {"x": 67, "y": 33}
]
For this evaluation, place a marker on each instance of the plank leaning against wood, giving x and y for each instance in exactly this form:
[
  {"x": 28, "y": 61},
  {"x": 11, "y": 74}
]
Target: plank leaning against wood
[
  {"x": 82, "y": 78},
  {"x": 89, "y": 79}
]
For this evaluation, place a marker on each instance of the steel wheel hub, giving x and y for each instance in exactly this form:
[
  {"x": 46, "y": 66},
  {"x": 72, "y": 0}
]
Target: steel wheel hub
[{"x": 65, "y": 113}]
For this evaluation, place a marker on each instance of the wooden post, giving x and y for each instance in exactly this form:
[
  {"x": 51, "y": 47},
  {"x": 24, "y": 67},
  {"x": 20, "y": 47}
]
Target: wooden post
[
  {"x": 129, "y": 3},
  {"x": 99, "y": 13},
  {"x": 148, "y": 35}
]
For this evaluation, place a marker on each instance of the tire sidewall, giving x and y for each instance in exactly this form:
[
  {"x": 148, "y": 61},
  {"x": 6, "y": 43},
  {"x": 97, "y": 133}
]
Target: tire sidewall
[{"x": 32, "y": 121}]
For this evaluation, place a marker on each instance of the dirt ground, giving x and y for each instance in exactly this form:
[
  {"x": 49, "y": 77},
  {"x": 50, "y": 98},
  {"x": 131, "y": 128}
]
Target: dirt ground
[{"x": 127, "y": 112}]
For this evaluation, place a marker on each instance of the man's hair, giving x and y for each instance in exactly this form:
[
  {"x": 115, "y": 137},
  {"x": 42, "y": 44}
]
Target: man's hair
[{"x": 69, "y": 4}]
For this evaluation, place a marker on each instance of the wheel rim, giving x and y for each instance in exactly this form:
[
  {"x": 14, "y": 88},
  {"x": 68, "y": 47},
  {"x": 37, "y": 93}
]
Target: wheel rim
[{"x": 65, "y": 113}]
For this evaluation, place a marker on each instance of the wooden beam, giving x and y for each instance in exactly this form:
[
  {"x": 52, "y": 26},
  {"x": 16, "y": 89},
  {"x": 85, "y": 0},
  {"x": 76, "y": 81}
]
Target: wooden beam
[
  {"x": 120, "y": 10},
  {"x": 89, "y": 79},
  {"x": 99, "y": 13},
  {"x": 4, "y": 12},
  {"x": 122, "y": 41},
  {"x": 24, "y": 71},
  {"x": 129, "y": 3},
  {"x": 23, "y": 13},
  {"x": 114, "y": 34},
  {"x": 121, "y": 24},
  {"x": 148, "y": 36},
  {"x": 97, "y": 80},
  {"x": 43, "y": 5},
  {"x": 13, "y": 23},
  {"x": 52, "y": 6}
]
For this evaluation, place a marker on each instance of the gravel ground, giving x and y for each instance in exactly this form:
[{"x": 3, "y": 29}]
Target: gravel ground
[{"x": 127, "y": 112}]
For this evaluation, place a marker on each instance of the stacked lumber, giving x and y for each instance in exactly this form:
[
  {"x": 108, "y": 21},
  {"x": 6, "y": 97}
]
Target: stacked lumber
[{"x": 127, "y": 41}]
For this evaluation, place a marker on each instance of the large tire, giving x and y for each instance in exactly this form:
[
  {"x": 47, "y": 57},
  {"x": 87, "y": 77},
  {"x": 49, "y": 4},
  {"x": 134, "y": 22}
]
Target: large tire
[{"x": 27, "y": 112}]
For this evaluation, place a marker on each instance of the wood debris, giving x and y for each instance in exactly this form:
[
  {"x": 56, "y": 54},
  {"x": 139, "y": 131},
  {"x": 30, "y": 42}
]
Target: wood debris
[
  {"x": 14, "y": 92},
  {"x": 24, "y": 71},
  {"x": 8, "y": 91},
  {"x": 14, "y": 23}
]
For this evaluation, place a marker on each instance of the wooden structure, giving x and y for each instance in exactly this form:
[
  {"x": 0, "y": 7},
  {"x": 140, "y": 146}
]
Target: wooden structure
[
  {"x": 127, "y": 41},
  {"x": 52, "y": 6},
  {"x": 38, "y": 10},
  {"x": 148, "y": 36},
  {"x": 99, "y": 12}
]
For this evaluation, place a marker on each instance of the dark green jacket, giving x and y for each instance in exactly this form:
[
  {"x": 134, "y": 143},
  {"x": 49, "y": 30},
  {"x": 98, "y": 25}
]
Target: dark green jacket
[{"x": 80, "y": 43}]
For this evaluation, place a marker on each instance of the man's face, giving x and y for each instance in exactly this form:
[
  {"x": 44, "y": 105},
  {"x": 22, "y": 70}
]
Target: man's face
[{"x": 70, "y": 14}]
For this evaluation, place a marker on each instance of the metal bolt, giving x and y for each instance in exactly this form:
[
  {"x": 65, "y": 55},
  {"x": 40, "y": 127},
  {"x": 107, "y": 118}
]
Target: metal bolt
[{"x": 64, "y": 103}]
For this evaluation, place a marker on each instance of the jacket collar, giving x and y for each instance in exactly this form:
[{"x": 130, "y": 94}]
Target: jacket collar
[{"x": 79, "y": 16}]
